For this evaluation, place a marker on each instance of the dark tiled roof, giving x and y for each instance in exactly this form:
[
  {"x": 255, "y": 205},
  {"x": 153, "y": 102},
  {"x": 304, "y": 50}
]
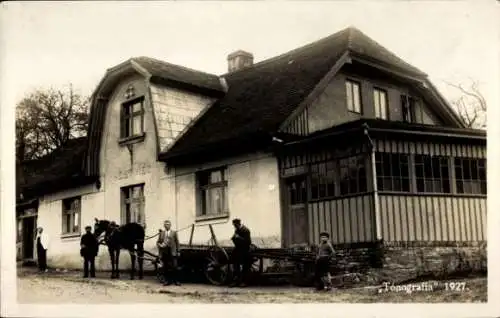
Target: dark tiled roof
[
  {"x": 163, "y": 70},
  {"x": 261, "y": 97},
  {"x": 51, "y": 171}
]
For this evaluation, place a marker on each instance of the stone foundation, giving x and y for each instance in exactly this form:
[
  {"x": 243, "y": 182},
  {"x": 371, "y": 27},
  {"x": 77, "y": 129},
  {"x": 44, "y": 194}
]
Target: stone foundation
[{"x": 407, "y": 261}]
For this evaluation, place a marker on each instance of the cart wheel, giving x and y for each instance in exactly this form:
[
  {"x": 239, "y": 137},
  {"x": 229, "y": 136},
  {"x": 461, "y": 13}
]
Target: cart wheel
[{"x": 217, "y": 267}]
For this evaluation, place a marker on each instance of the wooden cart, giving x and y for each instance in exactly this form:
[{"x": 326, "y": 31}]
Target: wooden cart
[{"x": 214, "y": 261}]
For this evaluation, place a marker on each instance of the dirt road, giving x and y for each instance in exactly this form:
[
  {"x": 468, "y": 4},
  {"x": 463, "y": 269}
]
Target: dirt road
[{"x": 71, "y": 288}]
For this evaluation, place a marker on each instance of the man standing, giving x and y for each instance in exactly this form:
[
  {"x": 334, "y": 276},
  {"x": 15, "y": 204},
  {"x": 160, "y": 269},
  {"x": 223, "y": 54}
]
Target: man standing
[
  {"x": 168, "y": 248},
  {"x": 325, "y": 255},
  {"x": 89, "y": 247},
  {"x": 241, "y": 253},
  {"x": 42, "y": 245}
]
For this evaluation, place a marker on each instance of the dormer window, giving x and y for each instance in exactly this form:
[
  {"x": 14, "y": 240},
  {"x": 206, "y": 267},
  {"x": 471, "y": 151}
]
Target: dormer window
[{"x": 132, "y": 118}]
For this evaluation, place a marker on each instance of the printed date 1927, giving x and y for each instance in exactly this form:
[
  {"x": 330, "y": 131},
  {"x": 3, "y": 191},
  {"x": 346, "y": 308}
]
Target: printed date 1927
[{"x": 455, "y": 286}]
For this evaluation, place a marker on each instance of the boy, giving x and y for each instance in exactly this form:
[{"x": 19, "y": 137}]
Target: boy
[{"x": 324, "y": 256}]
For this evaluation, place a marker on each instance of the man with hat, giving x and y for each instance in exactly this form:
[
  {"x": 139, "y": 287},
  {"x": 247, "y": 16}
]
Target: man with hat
[
  {"x": 241, "y": 252},
  {"x": 325, "y": 255},
  {"x": 89, "y": 247}
]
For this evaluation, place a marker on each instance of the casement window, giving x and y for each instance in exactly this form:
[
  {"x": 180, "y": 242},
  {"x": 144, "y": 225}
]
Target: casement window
[
  {"x": 132, "y": 118},
  {"x": 353, "y": 95},
  {"x": 212, "y": 188},
  {"x": 393, "y": 173},
  {"x": 71, "y": 215},
  {"x": 408, "y": 108},
  {"x": 432, "y": 174},
  {"x": 470, "y": 175},
  {"x": 352, "y": 175},
  {"x": 381, "y": 103},
  {"x": 324, "y": 177},
  {"x": 133, "y": 203}
]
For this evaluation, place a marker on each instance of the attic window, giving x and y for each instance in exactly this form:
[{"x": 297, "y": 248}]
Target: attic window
[
  {"x": 132, "y": 118},
  {"x": 408, "y": 108},
  {"x": 353, "y": 94},
  {"x": 380, "y": 102}
]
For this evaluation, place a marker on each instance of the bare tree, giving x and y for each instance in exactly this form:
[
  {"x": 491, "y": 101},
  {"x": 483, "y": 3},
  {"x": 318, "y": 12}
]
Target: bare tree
[
  {"x": 47, "y": 119},
  {"x": 471, "y": 105}
]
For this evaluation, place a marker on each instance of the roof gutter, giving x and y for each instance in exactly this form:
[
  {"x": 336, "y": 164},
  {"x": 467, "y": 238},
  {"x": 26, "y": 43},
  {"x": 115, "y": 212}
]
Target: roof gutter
[{"x": 424, "y": 133}]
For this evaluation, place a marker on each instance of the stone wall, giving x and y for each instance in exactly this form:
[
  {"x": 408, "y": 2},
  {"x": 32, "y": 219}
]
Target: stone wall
[{"x": 438, "y": 260}]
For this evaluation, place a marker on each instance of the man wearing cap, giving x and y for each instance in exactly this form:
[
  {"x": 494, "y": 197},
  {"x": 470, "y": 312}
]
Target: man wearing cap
[
  {"x": 88, "y": 250},
  {"x": 241, "y": 252},
  {"x": 325, "y": 255},
  {"x": 42, "y": 245}
]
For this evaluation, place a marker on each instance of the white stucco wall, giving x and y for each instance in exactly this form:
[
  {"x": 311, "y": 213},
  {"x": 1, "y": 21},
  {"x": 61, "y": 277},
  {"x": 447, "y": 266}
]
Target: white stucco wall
[
  {"x": 253, "y": 196},
  {"x": 63, "y": 251},
  {"x": 253, "y": 190}
]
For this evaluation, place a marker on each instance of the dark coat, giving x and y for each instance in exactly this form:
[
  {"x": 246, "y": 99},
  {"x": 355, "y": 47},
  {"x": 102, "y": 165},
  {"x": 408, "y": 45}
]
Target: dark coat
[
  {"x": 89, "y": 245},
  {"x": 242, "y": 238}
]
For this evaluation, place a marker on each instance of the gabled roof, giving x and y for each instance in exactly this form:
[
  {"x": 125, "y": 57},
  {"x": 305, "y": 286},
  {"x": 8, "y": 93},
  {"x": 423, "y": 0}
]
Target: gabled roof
[
  {"x": 52, "y": 171},
  {"x": 262, "y": 96}
]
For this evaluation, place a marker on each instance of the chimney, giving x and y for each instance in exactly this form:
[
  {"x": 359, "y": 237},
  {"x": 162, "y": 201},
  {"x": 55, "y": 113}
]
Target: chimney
[{"x": 239, "y": 60}]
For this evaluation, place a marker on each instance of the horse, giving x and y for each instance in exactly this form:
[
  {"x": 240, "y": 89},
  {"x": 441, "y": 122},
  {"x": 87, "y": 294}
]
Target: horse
[{"x": 129, "y": 236}]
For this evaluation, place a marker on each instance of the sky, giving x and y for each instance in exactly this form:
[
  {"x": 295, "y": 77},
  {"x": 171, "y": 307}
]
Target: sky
[{"x": 52, "y": 44}]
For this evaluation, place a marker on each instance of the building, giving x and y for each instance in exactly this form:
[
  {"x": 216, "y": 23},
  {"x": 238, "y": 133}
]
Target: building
[{"x": 338, "y": 135}]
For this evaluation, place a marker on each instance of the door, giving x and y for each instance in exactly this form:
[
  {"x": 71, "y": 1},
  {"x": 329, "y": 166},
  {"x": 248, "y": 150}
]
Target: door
[
  {"x": 296, "y": 202},
  {"x": 29, "y": 228}
]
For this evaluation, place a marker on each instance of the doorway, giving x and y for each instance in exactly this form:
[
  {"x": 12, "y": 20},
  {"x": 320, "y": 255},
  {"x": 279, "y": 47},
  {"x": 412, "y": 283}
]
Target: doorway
[
  {"x": 28, "y": 243},
  {"x": 296, "y": 207}
]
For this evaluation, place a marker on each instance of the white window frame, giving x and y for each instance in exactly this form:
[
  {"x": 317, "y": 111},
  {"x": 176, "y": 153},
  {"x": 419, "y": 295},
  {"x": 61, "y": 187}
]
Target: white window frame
[
  {"x": 72, "y": 209},
  {"x": 128, "y": 200},
  {"x": 381, "y": 103},
  {"x": 353, "y": 96}
]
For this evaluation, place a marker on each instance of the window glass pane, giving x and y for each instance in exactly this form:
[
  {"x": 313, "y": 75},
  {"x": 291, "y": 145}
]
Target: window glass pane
[
  {"x": 127, "y": 213},
  {"x": 76, "y": 225},
  {"x": 348, "y": 87},
  {"x": 127, "y": 110},
  {"x": 68, "y": 222},
  {"x": 204, "y": 202},
  {"x": 357, "y": 102},
  {"x": 137, "y": 125},
  {"x": 225, "y": 200},
  {"x": 483, "y": 187},
  {"x": 137, "y": 107},
  {"x": 216, "y": 203},
  {"x": 135, "y": 215},
  {"x": 383, "y": 105},
  {"x": 376, "y": 103},
  {"x": 215, "y": 176},
  {"x": 137, "y": 192}
]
